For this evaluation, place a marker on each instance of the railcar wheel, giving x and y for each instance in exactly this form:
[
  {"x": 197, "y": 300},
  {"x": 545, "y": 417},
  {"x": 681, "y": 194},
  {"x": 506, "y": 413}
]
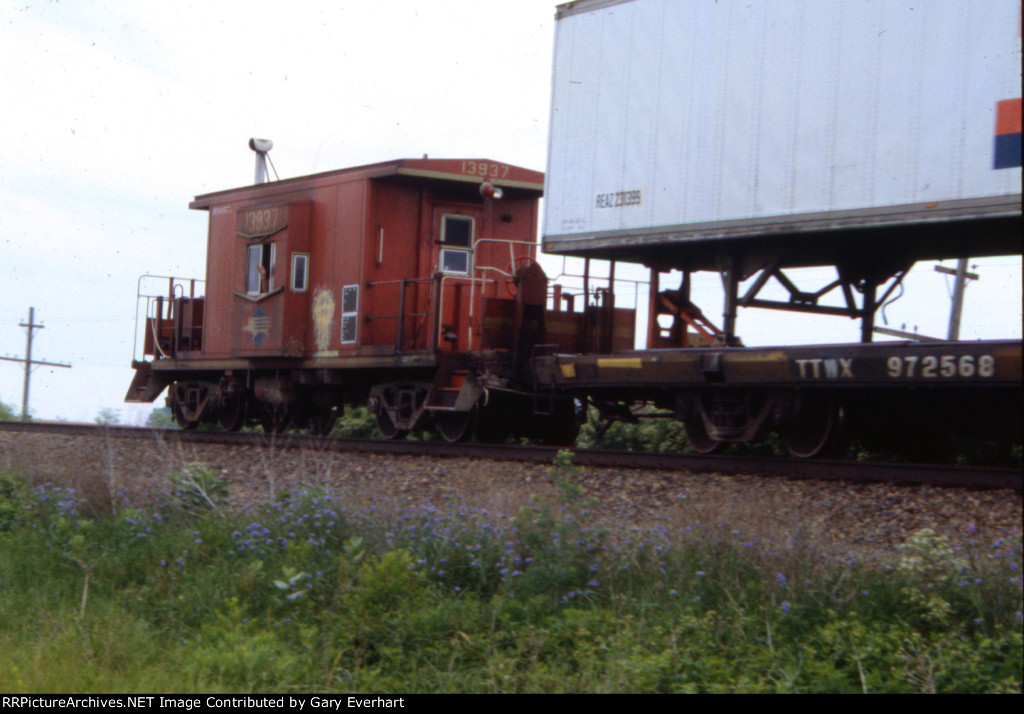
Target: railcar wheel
[
  {"x": 275, "y": 419},
  {"x": 700, "y": 440},
  {"x": 183, "y": 422},
  {"x": 562, "y": 426},
  {"x": 493, "y": 431},
  {"x": 496, "y": 417},
  {"x": 456, "y": 427},
  {"x": 387, "y": 425},
  {"x": 188, "y": 403},
  {"x": 186, "y": 424},
  {"x": 232, "y": 415},
  {"x": 321, "y": 422},
  {"x": 818, "y": 428}
]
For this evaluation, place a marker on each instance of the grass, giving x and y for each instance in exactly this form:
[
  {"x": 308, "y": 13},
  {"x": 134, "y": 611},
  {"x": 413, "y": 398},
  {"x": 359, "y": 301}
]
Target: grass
[{"x": 311, "y": 594}]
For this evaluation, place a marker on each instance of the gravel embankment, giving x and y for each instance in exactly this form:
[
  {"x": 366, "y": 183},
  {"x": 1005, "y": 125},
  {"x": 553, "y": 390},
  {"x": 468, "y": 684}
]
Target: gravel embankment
[{"x": 864, "y": 521}]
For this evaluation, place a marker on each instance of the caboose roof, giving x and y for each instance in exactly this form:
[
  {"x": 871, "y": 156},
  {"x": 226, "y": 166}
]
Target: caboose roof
[{"x": 472, "y": 171}]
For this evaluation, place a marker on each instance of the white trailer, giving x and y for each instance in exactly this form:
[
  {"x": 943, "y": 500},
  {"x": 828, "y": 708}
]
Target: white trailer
[{"x": 680, "y": 123}]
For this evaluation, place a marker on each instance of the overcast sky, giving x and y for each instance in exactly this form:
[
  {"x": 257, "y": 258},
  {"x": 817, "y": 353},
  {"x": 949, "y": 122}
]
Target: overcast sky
[{"x": 116, "y": 113}]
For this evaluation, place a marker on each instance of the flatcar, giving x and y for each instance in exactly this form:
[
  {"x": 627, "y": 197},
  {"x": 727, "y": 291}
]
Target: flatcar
[{"x": 918, "y": 399}]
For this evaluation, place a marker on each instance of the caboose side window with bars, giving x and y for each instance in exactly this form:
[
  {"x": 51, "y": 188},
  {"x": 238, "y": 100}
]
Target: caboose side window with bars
[
  {"x": 259, "y": 273},
  {"x": 349, "y": 314}
]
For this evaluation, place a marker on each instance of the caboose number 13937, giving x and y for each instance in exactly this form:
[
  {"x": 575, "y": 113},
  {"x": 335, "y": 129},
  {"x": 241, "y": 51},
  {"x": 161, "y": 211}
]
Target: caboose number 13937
[{"x": 409, "y": 286}]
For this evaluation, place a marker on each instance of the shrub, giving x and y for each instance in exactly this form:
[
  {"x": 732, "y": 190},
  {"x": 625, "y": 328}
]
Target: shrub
[
  {"x": 7, "y": 412},
  {"x": 197, "y": 491}
]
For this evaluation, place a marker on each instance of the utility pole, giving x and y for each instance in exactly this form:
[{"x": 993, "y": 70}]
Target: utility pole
[
  {"x": 29, "y": 362},
  {"x": 959, "y": 285}
]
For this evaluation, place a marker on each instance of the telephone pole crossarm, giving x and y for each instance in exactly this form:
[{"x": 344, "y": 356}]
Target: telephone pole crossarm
[{"x": 35, "y": 361}]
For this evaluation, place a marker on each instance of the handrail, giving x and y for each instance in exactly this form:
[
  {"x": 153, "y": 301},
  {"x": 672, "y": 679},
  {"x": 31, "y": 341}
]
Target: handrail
[
  {"x": 531, "y": 247},
  {"x": 607, "y": 282},
  {"x": 512, "y": 258},
  {"x": 444, "y": 280},
  {"x": 401, "y": 283},
  {"x": 174, "y": 285}
]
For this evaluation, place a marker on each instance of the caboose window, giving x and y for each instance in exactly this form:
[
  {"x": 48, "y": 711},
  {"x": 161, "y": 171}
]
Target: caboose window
[
  {"x": 456, "y": 231},
  {"x": 300, "y": 272},
  {"x": 455, "y": 261},
  {"x": 259, "y": 274}
]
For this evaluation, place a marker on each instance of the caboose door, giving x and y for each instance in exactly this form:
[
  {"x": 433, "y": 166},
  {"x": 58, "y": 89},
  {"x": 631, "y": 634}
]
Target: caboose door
[
  {"x": 270, "y": 280},
  {"x": 456, "y": 231}
]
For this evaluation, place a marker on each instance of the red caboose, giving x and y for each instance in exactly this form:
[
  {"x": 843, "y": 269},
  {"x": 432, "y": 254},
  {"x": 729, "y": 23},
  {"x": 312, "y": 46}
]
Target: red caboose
[{"x": 410, "y": 286}]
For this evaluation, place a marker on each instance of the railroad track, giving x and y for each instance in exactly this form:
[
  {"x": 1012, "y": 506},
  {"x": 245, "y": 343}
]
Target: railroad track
[{"x": 978, "y": 477}]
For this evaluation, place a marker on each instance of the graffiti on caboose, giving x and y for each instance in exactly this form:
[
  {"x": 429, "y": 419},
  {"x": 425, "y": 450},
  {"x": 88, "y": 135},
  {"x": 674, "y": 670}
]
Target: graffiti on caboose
[
  {"x": 258, "y": 326},
  {"x": 323, "y": 317}
]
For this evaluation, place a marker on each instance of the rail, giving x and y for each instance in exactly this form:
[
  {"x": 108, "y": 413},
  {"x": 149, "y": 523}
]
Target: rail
[{"x": 680, "y": 466}]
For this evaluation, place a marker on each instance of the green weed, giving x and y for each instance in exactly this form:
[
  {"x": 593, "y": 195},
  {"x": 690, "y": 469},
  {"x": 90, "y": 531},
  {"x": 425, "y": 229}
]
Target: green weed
[{"x": 309, "y": 594}]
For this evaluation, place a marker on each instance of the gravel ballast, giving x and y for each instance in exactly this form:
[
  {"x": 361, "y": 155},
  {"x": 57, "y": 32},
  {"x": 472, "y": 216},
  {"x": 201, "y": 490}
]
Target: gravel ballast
[{"x": 862, "y": 521}]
